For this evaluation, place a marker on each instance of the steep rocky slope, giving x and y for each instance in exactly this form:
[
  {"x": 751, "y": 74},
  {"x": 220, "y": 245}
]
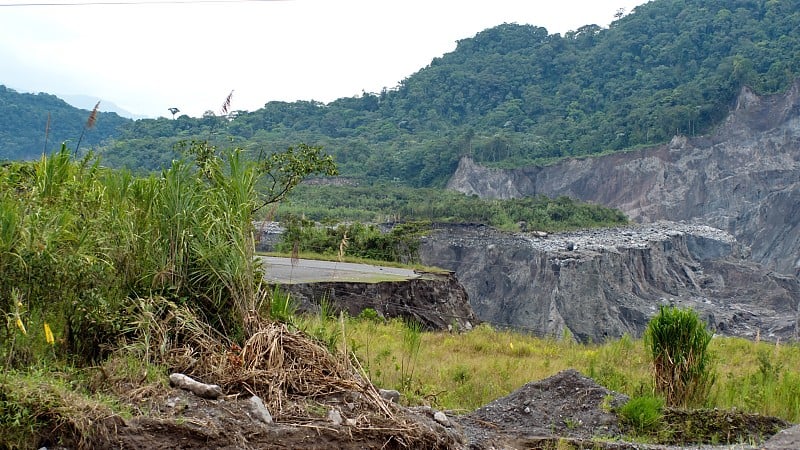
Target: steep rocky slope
[
  {"x": 612, "y": 281},
  {"x": 435, "y": 301},
  {"x": 744, "y": 178}
]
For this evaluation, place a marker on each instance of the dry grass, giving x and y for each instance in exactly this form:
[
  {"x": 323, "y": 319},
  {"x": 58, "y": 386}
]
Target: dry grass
[
  {"x": 289, "y": 370},
  {"x": 48, "y": 409}
]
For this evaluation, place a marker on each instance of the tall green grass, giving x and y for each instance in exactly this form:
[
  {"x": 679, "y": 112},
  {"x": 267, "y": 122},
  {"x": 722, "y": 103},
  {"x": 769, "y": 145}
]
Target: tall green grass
[
  {"x": 464, "y": 371},
  {"x": 677, "y": 341},
  {"x": 80, "y": 243}
]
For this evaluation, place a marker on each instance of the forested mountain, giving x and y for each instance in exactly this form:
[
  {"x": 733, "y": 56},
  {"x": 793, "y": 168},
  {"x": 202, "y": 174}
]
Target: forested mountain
[
  {"x": 24, "y": 119},
  {"x": 515, "y": 94}
]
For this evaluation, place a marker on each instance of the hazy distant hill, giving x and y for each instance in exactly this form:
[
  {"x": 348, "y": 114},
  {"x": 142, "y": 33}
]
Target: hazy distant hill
[
  {"x": 88, "y": 102},
  {"x": 23, "y": 120}
]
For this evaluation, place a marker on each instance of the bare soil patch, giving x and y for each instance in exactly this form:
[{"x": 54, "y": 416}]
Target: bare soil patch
[{"x": 567, "y": 410}]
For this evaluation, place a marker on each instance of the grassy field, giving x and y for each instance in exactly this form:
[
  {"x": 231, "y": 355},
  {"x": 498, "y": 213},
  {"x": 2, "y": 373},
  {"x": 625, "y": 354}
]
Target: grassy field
[{"x": 463, "y": 371}]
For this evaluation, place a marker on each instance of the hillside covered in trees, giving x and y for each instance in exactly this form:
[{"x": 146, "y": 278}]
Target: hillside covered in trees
[
  {"x": 32, "y": 124},
  {"x": 515, "y": 94}
]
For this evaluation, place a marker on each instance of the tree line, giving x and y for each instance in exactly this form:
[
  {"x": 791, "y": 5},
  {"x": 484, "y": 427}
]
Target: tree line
[{"x": 517, "y": 95}]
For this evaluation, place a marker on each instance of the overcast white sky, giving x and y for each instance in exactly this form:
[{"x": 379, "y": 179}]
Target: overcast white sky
[{"x": 147, "y": 56}]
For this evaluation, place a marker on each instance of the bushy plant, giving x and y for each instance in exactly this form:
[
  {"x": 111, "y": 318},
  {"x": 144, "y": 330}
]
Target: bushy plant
[
  {"x": 79, "y": 244},
  {"x": 282, "y": 306},
  {"x": 677, "y": 341},
  {"x": 401, "y": 244},
  {"x": 642, "y": 414}
]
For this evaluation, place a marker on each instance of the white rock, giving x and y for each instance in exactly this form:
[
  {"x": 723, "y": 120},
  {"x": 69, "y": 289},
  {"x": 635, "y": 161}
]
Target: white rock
[
  {"x": 390, "y": 395},
  {"x": 210, "y": 391},
  {"x": 441, "y": 418},
  {"x": 335, "y": 417},
  {"x": 259, "y": 410}
]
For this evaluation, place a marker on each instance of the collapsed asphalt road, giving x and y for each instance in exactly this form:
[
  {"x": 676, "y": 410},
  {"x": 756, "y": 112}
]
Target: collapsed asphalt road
[{"x": 283, "y": 271}]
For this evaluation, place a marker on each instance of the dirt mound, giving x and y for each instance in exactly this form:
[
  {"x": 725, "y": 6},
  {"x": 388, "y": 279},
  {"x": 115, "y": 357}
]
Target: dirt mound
[
  {"x": 571, "y": 409},
  {"x": 314, "y": 398},
  {"x": 566, "y": 404},
  {"x": 180, "y": 420}
]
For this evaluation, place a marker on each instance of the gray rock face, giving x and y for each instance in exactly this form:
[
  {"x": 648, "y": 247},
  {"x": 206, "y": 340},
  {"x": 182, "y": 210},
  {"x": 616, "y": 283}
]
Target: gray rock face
[
  {"x": 614, "y": 280},
  {"x": 436, "y": 301},
  {"x": 745, "y": 179}
]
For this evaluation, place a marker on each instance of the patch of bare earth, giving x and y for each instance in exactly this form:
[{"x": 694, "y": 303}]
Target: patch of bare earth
[
  {"x": 569, "y": 410},
  {"x": 317, "y": 400}
]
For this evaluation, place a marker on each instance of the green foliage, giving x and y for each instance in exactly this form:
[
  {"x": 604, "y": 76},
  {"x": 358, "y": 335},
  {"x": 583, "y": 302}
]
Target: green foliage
[
  {"x": 770, "y": 386},
  {"x": 393, "y": 203},
  {"x": 412, "y": 342},
  {"x": 516, "y": 95},
  {"x": 37, "y": 407},
  {"x": 401, "y": 244},
  {"x": 283, "y": 171},
  {"x": 80, "y": 243},
  {"x": 677, "y": 341},
  {"x": 369, "y": 314},
  {"x": 323, "y": 325},
  {"x": 282, "y": 307},
  {"x": 24, "y": 118},
  {"x": 642, "y": 414}
]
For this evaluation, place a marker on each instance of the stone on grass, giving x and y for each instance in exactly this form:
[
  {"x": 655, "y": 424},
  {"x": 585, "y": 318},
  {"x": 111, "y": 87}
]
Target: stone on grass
[{"x": 390, "y": 395}]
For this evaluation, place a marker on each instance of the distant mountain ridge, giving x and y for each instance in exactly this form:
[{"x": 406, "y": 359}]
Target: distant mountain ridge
[
  {"x": 87, "y": 102},
  {"x": 514, "y": 95}
]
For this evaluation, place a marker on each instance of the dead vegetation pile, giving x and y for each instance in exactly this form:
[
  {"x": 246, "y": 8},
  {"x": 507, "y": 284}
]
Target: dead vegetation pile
[{"x": 297, "y": 377}]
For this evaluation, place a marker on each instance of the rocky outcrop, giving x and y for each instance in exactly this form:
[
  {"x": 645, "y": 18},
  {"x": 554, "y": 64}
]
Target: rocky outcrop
[
  {"x": 614, "y": 280},
  {"x": 436, "y": 301},
  {"x": 744, "y": 178}
]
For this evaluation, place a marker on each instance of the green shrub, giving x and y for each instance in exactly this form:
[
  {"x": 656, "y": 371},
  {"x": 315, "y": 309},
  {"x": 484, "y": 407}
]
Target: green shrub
[
  {"x": 369, "y": 314},
  {"x": 642, "y": 414},
  {"x": 677, "y": 341},
  {"x": 282, "y": 307}
]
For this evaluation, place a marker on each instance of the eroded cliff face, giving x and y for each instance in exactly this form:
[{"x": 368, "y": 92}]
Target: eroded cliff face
[
  {"x": 745, "y": 178},
  {"x": 614, "y": 280},
  {"x": 435, "y": 301}
]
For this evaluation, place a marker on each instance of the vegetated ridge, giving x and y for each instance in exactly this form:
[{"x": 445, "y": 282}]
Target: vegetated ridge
[
  {"x": 513, "y": 94},
  {"x": 33, "y": 124}
]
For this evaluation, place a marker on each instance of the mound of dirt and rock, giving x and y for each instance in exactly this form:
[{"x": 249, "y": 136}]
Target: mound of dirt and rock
[{"x": 567, "y": 410}]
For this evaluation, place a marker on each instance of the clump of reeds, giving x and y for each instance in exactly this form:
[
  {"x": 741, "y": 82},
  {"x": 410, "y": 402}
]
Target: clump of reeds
[{"x": 677, "y": 341}]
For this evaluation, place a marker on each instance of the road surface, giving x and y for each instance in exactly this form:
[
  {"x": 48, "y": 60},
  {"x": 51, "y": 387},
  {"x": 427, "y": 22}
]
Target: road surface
[{"x": 281, "y": 270}]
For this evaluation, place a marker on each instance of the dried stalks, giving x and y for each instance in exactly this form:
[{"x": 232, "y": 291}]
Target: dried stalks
[
  {"x": 280, "y": 365},
  {"x": 297, "y": 377}
]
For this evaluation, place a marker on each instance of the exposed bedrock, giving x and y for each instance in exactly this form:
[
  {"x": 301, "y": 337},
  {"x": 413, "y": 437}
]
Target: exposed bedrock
[
  {"x": 744, "y": 178},
  {"x": 435, "y": 301},
  {"x": 614, "y": 280}
]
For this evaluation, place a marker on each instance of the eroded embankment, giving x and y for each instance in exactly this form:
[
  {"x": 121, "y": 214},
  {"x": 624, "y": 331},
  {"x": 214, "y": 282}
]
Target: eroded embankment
[{"x": 613, "y": 280}]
